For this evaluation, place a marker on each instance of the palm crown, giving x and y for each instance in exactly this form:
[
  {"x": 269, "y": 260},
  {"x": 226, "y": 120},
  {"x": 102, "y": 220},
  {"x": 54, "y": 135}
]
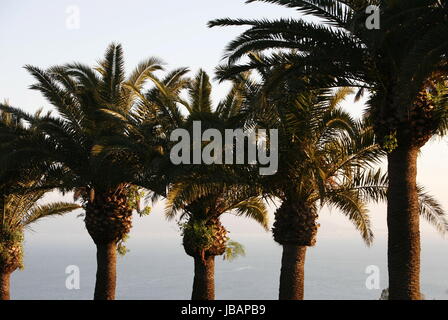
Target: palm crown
[
  {"x": 343, "y": 52},
  {"x": 200, "y": 192}
]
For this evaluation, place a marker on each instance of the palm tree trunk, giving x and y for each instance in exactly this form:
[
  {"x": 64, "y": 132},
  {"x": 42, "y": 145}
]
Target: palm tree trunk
[
  {"x": 106, "y": 274},
  {"x": 403, "y": 225},
  {"x": 204, "y": 278},
  {"x": 4, "y": 286},
  {"x": 292, "y": 274}
]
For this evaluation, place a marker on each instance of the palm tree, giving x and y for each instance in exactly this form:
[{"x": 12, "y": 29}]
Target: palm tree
[
  {"x": 407, "y": 104},
  {"x": 72, "y": 142},
  {"x": 204, "y": 193},
  {"x": 325, "y": 158},
  {"x": 20, "y": 191},
  {"x": 200, "y": 193}
]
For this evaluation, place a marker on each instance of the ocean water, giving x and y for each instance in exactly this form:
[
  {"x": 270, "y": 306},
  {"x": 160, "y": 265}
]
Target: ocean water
[{"x": 157, "y": 268}]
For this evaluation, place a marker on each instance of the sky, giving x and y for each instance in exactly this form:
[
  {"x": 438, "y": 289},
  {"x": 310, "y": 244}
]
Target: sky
[{"x": 44, "y": 33}]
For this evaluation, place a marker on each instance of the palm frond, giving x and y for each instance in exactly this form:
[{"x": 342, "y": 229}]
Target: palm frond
[
  {"x": 53, "y": 209},
  {"x": 354, "y": 208},
  {"x": 200, "y": 93},
  {"x": 255, "y": 209},
  {"x": 432, "y": 211}
]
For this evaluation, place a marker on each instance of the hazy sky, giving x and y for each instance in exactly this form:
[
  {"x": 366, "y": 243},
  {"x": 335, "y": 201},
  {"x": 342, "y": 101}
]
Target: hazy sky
[{"x": 37, "y": 33}]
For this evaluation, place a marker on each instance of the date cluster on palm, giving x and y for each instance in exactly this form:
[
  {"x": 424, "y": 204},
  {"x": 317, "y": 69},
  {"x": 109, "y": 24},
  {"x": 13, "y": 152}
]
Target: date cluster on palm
[
  {"x": 424, "y": 120},
  {"x": 419, "y": 123},
  {"x": 295, "y": 224},
  {"x": 216, "y": 246},
  {"x": 108, "y": 216}
]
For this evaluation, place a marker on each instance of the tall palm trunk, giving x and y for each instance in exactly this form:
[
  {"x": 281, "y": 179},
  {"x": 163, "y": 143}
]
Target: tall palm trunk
[
  {"x": 292, "y": 273},
  {"x": 4, "y": 285},
  {"x": 106, "y": 256},
  {"x": 295, "y": 228},
  {"x": 108, "y": 221},
  {"x": 204, "y": 259},
  {"x": 403, "y": 225},
  {"x": 204, "y": 278}
]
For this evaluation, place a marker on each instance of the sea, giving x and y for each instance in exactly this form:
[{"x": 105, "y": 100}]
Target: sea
[{"x": 156, "y": 267}]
